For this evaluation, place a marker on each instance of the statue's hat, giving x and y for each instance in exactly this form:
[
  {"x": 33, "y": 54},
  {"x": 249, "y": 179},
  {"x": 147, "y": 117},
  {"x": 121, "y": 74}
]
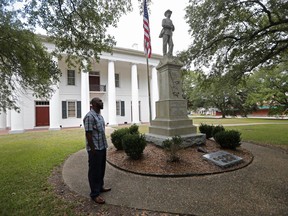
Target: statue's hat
[{"x": 166, "y": 12}]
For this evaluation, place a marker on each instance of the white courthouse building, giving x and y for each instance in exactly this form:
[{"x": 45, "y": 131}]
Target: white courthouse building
[{"x": 119, "y": 79}]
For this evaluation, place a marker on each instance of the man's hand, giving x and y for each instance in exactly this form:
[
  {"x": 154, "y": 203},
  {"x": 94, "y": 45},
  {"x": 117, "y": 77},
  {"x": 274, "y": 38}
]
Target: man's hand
[
  {"x": 90, "y": 141},
  {"x": 93, "y": 151}
]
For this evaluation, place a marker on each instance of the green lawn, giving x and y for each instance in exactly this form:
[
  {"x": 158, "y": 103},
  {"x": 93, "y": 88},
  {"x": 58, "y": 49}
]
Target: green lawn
[
  {"x": 264, "y": 134},
  {"x": 26, "y": 163},
  {"x": 268, "y": 131},
  {"x": 27, "y": 160},
  {"x": 216, "y": 121}
]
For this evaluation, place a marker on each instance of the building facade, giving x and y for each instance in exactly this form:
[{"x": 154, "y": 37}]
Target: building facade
[{"x": 119, "y": 79}]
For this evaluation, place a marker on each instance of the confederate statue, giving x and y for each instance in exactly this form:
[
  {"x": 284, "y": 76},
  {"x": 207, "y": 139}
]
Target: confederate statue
[
  {"x": 166, "y": 33},
  {"x": 171, "y": 109}
]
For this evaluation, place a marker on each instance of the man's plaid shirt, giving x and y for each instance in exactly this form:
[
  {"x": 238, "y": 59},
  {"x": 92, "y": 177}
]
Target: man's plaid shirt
[{"x": 94, "y": 122}]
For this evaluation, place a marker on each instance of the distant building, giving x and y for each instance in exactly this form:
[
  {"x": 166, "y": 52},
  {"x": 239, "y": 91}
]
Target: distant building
[
  {"x": 262, "y": 111},
  {"x": 207, "y": 111}
]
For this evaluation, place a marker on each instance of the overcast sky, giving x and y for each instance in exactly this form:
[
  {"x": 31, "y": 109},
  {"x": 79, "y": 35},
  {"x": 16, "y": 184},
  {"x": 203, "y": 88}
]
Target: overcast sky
[{"x": 130, "y": 27}]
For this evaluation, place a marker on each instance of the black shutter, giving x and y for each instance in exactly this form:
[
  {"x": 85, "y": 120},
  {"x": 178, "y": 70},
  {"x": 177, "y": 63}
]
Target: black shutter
[
  {"x": 64, "y": 109},
  {"x": 122, "y": 108},
  {"x": 78, "y": 109}
]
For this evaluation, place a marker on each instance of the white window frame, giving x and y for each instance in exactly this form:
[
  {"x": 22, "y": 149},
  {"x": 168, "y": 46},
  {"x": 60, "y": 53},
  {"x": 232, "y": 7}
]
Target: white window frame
[
  {"x": 119, "y": 108},
  {"x": 41, "y": 103},
  {"x": 71, "y": 80},
  {"x": 69, "y": 115}
]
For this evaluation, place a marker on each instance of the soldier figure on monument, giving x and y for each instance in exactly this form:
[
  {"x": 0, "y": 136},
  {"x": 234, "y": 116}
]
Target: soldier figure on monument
[
  {"x": 171, "y": 108},
  {"x": 166, "y": 33}
]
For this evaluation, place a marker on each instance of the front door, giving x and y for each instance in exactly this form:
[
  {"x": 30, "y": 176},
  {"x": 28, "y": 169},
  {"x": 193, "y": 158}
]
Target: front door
[{"x": 42, "y": 113}]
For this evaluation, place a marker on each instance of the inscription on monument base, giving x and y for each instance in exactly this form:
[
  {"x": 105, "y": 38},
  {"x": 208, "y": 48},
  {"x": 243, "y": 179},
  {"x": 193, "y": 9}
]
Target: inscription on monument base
[
  {"x": 178, "y": 109},
  {"x": 223, "y": 158}
]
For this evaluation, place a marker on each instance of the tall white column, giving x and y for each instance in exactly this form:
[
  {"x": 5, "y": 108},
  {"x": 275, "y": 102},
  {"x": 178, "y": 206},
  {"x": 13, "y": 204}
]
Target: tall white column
[
  {"x": 17, "y": 118},
  {"x": 54, "y": 107},
  {"x": 155, "y": 92},
  {"x": 111, "y": 91},
  {"x": 3, "y": 120},
  {"x": 135, "y": 94},
  {"x": 55, "y": 110},
  {"x": 17, "y": 121},
  {"x": 8, "y": 119},
  {"x": 85, "y": 107}
]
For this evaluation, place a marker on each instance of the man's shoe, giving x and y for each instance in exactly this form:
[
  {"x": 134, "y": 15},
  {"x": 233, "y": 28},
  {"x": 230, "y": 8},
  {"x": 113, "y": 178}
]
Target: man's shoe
[
  {"x": 98, "y": 200},
  {"x": 105, "y": 189}
]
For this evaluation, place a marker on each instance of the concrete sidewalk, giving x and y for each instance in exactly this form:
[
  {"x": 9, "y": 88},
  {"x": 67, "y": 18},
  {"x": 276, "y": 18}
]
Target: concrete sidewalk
[{"x": 259, "y": 189}]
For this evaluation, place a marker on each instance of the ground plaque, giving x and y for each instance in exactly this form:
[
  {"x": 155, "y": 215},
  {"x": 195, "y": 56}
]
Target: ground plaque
[{"x": 223, "y": 158}]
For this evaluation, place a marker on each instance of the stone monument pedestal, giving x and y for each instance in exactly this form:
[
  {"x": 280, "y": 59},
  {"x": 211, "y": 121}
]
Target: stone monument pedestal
[{"x": 171, "y": 109}]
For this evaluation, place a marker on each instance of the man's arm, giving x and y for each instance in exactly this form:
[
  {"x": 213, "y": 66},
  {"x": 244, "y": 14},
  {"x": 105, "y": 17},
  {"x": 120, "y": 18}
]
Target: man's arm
[
  {"x": 90, "y": 140},
  {"x": 166, "y": 24},
  {"x": 88, "y": 125}
]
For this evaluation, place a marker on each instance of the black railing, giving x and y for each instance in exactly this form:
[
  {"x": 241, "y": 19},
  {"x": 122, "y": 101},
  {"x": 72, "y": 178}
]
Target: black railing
[{"x": 101, "y": 88}]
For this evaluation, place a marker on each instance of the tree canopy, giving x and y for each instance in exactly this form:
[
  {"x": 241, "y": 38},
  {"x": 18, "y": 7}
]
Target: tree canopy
[
  {"x": 237, "y": 36},
  {"x": 221, "y": 92},
  {"x": 271, "y": 88},
  {"x": 77, "y": 28}
]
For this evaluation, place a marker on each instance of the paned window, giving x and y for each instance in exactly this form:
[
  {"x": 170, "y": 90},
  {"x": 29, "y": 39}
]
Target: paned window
[
  {"x": 42, "y": 103},
  {"x": 120, "y": 108},
  {"x": 71, "y": 77},
  {"x": 117, "y": 80},
  {"x": 71, "y": 108}
]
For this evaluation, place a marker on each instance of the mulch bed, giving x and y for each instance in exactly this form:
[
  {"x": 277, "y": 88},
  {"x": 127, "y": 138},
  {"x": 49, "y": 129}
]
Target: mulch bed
[{"x": 154, "y": 161}]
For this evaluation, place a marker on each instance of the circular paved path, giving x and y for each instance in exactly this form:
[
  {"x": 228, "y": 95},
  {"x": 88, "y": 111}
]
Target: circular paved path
[{"x": 258, "y": 189}]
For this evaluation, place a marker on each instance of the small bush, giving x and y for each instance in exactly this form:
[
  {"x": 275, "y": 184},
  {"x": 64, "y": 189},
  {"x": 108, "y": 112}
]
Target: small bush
[
  {"x": 134, "y": 145},
  {"x": 206, "y": 129},
  {"x": 173, "y": 146},
  {"x": 133, "y": 129},
  {"x": 217, "y": 129},
  {"x": 228, "y": 139},
  {"x": 116, "y": 137}
]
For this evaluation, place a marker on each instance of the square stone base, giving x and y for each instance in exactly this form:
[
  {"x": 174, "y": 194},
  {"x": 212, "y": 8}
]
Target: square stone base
[
  {"x": 188, "y": 140},
  {"x": 172, "y": 128}
]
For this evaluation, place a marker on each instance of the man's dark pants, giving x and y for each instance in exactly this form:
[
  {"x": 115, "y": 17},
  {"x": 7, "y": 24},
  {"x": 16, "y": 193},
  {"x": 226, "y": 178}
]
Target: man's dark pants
[{"x": 96, "y": 172}]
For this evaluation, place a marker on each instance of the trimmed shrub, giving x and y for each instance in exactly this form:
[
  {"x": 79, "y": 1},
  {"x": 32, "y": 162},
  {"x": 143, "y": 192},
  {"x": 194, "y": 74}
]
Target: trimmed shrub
[
  {"x": 173, "y": 146},
  {"x": 133, "y": 129},
  {"x": 206, "y": 129},
  {"x": 134, "y": 145},
  {"x": 228, "y": 139},
  {"x": 217, "y": 129},
  {"x": 116, "y": 137}
]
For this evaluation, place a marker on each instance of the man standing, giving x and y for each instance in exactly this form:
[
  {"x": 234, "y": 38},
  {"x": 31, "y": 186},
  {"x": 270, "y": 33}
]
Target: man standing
[
  {"x": 96, "y": 145},
  {"x": 166, "y": 33}
]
